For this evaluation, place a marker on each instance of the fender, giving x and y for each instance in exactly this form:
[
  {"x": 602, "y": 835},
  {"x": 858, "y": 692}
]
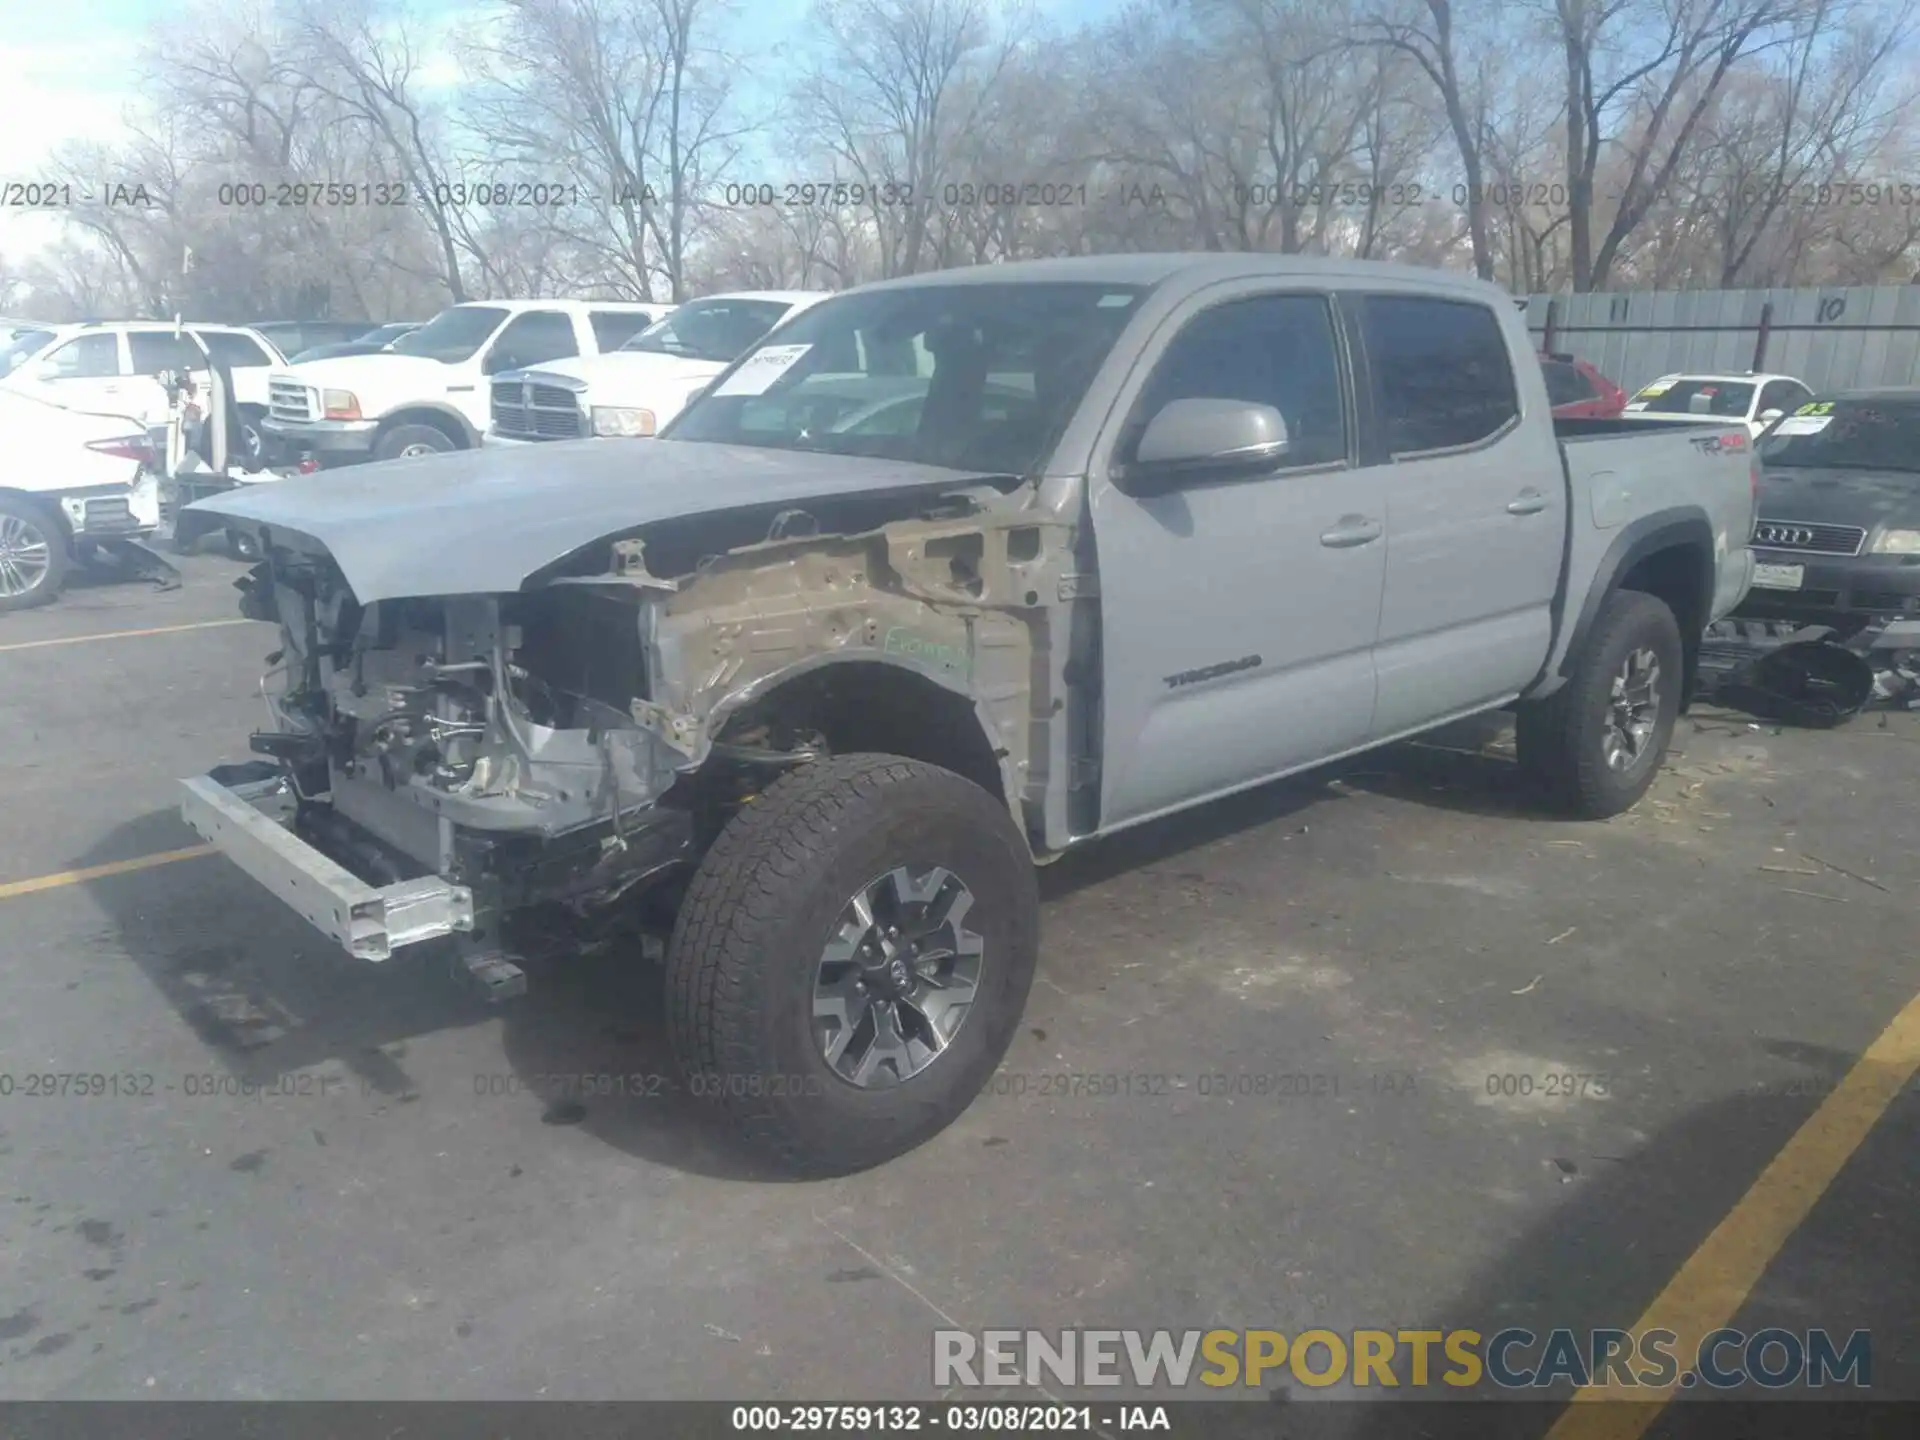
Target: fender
[{"x": 1682, "y": 526}]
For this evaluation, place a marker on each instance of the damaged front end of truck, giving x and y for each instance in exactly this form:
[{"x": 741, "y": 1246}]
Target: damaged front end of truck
[{"x": 571, "y": 742}]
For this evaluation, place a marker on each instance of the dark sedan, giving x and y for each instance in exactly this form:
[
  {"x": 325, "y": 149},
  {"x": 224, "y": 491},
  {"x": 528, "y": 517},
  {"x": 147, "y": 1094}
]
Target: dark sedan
[{"x": 1837, "y": 541}]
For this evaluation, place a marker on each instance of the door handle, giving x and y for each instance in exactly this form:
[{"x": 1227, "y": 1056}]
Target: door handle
[
  {"x": 1351, "y": 530},
  {"x": 1527, "y": 502}
]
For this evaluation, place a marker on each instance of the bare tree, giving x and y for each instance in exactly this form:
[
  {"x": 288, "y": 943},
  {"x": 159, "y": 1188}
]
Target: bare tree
[
  {"x": 1424, "y": 31},
  {"x": 1642, "y": 75},
  {"x": 896, "y": 84},
  {"x": 630, "y": 100},
  {"x": 367, "y": 57}
]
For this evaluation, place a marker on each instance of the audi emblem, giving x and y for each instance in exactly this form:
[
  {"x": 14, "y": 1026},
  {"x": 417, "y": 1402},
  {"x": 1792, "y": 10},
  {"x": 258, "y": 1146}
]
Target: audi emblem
[{"x": 1783, "y": 535}]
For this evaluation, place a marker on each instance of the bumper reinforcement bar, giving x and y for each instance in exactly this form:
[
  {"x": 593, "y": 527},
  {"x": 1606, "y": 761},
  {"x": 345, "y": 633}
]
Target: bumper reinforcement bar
[{"x": 370, "y": 922}]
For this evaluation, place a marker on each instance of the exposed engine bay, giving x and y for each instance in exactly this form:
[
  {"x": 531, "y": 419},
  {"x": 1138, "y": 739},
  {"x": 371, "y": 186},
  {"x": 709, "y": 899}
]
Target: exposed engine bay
[{"x": 578, "y": 739}]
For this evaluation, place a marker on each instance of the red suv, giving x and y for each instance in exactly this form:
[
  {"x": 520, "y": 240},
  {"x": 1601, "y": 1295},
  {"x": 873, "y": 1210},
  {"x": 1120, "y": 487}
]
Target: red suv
[{"x": 1577, "y": 391}]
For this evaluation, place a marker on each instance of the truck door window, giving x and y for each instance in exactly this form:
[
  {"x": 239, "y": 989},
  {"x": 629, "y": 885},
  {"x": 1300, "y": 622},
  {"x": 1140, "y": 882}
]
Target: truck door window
[
  {"x": 1273, "y": 350},
  {"x": 237, "y": 352},
  {"x": 533, "y": 339},
  {"x": 613, "y": 328},
  {"x": 90, "y": 357},
  {"x": 1444, "y": 377},
  {"x": 157, "y": 350}
]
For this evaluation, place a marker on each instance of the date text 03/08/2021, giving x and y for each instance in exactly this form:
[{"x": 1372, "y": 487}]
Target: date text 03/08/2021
[{"x": 971, "y": 1419}]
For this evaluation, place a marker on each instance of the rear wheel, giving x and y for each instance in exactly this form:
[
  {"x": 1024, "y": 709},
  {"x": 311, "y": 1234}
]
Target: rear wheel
[
  {"x": 1596, "y": 743},
  {"x": 33, "y": 555},
  {"x": 852, "y": 958}
]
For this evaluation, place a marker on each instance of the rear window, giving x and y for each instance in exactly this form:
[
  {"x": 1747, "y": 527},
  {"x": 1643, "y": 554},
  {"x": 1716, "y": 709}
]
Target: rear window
[
  {"x": 1442, "y": 370},
  {"x": 1848, "y": 435},
  {"x": 1729, "y": 399},
  {"x": 1565, "y": 384}
]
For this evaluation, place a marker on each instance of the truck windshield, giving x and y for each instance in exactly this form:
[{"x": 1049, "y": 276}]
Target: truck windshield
[
  {"x": 981, "y": 378},
  {"x": 23, "y": 347},
  {"x": 452, "y": 335},
  {"x": 717, "y": 330},
  {"x": 1725, "y": 398},
  {"x": 1847, "y": 435}
]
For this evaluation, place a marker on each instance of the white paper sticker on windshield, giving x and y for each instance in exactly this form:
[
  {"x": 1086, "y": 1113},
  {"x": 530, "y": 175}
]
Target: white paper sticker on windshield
[
  {"x": 1638, "y": 405},
  {"x": 761, "y": 369},
  {"x": 1803, "y": 425}
]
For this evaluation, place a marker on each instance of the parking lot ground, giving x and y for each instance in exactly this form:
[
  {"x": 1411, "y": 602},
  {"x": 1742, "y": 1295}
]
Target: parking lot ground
[{"x": 1383, "y": 1048}]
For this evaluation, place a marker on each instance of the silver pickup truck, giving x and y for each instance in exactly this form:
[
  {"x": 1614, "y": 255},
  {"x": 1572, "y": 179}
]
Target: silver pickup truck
[{"x": 950, "y": 575}]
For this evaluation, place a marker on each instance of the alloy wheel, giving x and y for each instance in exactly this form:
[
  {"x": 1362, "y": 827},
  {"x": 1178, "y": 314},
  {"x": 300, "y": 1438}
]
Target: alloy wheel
[
  {"x": 1633, "y": 710},
  {"x": 25, "y": 556},
  {"x": 898, "y": 977}
]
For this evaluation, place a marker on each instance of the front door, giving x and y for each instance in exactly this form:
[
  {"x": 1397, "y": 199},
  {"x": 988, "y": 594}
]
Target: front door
[{"x": 1238, "y": 616}]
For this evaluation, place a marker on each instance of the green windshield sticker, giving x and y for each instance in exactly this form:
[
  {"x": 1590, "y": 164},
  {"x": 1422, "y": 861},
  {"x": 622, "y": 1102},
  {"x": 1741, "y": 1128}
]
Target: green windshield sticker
[{"x": 1819, "y": 407}]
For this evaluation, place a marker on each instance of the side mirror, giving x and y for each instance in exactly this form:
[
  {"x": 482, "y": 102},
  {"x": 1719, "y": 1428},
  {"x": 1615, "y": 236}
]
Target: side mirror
[
  {"x": 1767, "y": 417},
  {"x": 1202, "y": 439},
  {"x": 499, "y": 360}
]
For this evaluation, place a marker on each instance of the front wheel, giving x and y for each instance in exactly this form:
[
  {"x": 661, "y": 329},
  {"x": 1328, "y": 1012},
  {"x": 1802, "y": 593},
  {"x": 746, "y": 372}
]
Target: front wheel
[
  {"x": 1596, "y": 743},
  {"x": 851, "y": 960},
  {"x": 33, "y": 556},
  {"x": 405, "y": 442}
]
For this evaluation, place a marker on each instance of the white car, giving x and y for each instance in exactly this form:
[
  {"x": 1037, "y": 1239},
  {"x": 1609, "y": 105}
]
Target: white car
[
  {"x": 1758, "y": 400},
  {"x": 427, "y": 391},
  {"x": 111, "y": 367},
  {"x": 67, "y": 478},
  {"x": 636, "y": 389}
]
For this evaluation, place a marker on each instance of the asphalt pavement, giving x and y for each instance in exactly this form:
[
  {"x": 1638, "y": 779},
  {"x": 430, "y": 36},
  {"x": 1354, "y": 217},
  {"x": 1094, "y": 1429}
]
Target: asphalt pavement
[{"x": 1381, "y": 1048}]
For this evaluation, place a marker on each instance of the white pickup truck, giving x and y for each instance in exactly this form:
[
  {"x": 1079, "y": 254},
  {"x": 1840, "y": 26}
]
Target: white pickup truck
[
  {"x": 637, "y": 389},
  {"x": 952, "y": 574},
  {"x": 428, "y": 392}
]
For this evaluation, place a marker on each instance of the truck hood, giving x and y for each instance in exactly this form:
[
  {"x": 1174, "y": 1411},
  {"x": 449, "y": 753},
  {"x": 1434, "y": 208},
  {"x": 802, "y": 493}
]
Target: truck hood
[
  {"x": 1841, "y": 497},
  {"x": 634, "y": 377},
  {"x": 382, "y": 379},
  {"x": 476, "y": 522}
]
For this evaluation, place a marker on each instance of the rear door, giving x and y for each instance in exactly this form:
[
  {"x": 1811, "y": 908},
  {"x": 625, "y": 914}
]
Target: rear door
[
  {"x": 1476, "y": 510},
  {"x": 1238, "y": 615}
]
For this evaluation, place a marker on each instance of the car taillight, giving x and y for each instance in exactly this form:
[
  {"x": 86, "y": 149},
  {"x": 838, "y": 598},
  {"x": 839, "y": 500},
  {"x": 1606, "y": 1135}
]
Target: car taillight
[{"x": 126, "y": 447}]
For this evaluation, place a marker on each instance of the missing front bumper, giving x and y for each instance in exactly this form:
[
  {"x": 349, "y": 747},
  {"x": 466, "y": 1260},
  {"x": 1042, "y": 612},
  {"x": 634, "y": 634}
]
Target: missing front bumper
[{"x": 369, "y": 922}]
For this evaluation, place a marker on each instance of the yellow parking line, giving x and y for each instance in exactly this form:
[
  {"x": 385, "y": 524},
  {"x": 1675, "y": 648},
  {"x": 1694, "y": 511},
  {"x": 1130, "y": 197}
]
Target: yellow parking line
[
  {"x": 1717, "y": 1278},
  {"x": 96, "y": 872},
  {"x": 122, "y": 634}
]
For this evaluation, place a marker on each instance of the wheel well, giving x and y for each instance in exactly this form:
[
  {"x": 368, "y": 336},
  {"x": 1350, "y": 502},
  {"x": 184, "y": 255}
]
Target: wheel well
[
  {"x": 866, "y": 706},
  {"x": 454, "y": 429},
  {"x": 1681, "y": 576}
]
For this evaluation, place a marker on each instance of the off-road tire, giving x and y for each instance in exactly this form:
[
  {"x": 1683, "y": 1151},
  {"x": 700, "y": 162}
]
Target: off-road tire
[
  {"x": 59, "y": 560},
  {"x": 1561, "y": 739},
  {"x": 396, "y": 442},
  {"x": 746, "y": 946}
]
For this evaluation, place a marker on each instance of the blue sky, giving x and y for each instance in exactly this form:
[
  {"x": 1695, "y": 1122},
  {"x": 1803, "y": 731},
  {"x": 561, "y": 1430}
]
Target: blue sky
[{"x": 65, "y": 71}]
